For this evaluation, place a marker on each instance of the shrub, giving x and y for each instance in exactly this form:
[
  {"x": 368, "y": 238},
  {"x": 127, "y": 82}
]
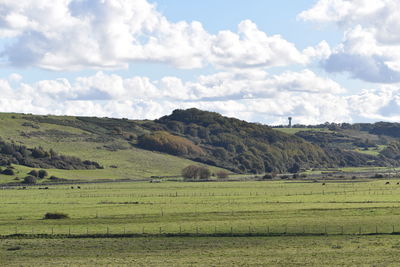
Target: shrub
[
  {"x": 222, "y": 174},
  {"x": 204, "y": 173},
  {"x": 8, "y": 171},
  {"x": 55, "y": 216},
  {"x": 34, "y": 173},
  {"x": 29, "y": 180},
  {"x": 194, "y": 172},
  {"x": 267, "y": 176},
  {"x": 42, "y": 174}
]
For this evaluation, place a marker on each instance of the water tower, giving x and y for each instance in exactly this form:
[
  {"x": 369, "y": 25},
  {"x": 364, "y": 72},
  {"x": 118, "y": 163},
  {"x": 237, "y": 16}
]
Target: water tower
[{"x": 290, "y": 122}]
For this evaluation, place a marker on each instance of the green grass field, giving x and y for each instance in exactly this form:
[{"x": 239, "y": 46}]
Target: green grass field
[
  {"x": 295, "y": 130},
  {"x": 274, "y": 223},
  {"x": 207, "y": 208},
  {"x": 201, "y": 251}
]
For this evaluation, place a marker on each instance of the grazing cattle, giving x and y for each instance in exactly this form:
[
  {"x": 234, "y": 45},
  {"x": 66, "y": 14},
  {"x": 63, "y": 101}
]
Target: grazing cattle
[
  {"x": 79, "y": 187},
  {"x": 72, "y": 187},
  {"x": 398, "y": 183},
  {"x": 387, "y": 182},
  {"x": 323, "y": 183}
]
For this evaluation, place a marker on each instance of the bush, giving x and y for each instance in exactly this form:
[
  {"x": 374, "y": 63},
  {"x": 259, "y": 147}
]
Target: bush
[
  {"x": 34, "y": 173},
  {"x": 8, "y": 171},
  {"x": 222, "y": 174},
  {"x": 29, "y": 180},
  {"x": 204, "y": 173},
  {"x": 195, "y": 172},
  {"x": 42, "y": 174},
  {"x": 55, "y": 216}
]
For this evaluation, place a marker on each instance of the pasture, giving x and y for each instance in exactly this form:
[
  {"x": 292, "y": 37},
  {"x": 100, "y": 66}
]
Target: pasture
[
  {"x": 253, "y": 223},
  {"x": 205, "y": 208}
]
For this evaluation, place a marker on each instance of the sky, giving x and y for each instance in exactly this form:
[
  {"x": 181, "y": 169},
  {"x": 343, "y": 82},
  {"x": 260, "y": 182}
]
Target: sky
[{"x": 258, "y": 60}]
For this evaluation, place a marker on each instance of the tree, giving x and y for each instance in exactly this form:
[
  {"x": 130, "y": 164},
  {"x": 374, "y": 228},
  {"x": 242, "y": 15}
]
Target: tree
[
  {"x": 204, "y": 173},
  {"x": 8, "y": 171},
  {"x": 34, "y": 173},
  {"x": 29, "y": 180},
  {"x": 196, "y": 172},
  {"x": 295, "y": 168},
  {"x": 42, "y": 174},
  {"x": 222, "y": 174},
  {"x": 189, "y": 172}
]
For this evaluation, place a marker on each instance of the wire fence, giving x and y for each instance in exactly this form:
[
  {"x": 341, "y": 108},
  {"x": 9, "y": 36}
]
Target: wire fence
[{"x": 205, "y": 231}]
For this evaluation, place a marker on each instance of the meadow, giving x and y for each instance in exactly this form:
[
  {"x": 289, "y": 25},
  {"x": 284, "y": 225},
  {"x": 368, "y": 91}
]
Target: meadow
[
  {"x": 252, "y": 223},
  {"x": 256, "y": 207}
]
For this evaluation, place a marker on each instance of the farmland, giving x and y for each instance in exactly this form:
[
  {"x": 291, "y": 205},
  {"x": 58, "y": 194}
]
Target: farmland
[{"x": 256, "y": 215}]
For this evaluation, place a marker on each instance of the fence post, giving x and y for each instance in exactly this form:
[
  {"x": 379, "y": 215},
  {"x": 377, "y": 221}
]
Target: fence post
[
  {"x": 231, "y": 230},
  {"x": 160, "y": 230},
  {"x": 142, "y": 230},
  {"x": 197, "y": 230},
  {"x": 180, "y": 229}
]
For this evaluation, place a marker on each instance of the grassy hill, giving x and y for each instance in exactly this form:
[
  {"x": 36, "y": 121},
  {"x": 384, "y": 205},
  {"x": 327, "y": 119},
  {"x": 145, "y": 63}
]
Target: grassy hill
[
  {"x": 106, "y": 145},
  {"x": 133, "y": 149}
]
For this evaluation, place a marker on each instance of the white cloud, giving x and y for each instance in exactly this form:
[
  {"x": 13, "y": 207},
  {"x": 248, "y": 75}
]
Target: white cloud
[
  {"x": 109, "y": 34},
  {"x": 253, "y": 48},
  {"x": 248, "y": 94},
  {"x": 371, "y": 47}
]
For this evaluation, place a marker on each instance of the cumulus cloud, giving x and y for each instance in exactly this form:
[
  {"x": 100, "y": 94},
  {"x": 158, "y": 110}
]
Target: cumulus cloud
[
  {"x": 371, "y": 47},
  {"x": 109, "y": 34},
  {"x": 253, "y": 48},
  {"x": 248, "y": 94}
]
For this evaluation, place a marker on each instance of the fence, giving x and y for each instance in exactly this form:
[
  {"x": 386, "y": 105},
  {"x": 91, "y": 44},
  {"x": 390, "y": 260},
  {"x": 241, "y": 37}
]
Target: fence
[{"x": 205, "y": 231}]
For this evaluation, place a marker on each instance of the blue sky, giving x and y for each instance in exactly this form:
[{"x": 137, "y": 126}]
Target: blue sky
[{"x": 262, "y": 61}]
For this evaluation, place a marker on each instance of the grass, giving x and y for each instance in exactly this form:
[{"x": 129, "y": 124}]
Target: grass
[
  {"x": 209, "y": 207},
  {"x": 131, "y": 162},
  {"x": 211, "y": 212},
  {"x": 228, "y": 251},
  {"x": 371, "y": 150},
  {"x": 295, "y": 130}
]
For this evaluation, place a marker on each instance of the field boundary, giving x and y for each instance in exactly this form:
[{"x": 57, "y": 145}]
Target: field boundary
[{"x": 138, "y": 235}]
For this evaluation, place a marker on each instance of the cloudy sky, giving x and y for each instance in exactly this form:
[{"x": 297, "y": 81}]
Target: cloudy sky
[{"x": 258, "y": 60}]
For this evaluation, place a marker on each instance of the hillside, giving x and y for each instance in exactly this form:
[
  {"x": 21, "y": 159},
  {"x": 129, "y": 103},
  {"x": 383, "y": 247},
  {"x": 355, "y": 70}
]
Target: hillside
[
  {"x": 108, "y": 142},
  {"x": 133, "y": 149}
]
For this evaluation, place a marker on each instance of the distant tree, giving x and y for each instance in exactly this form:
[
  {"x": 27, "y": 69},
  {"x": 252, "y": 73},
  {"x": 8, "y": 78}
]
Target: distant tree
[
  {"x": 29, "y": 180},
  {"x": 295, "y": 168},
  {"x": 8, "y": 171},
  {"x": 190, "y": 172},
  {"x": 222, "y": 174},
  {"x": 196, "y": 172},
  {"x": 204, "y": 173},
  {"x": 34, "y": 173},
  {"x": 42, "y": 174}
]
